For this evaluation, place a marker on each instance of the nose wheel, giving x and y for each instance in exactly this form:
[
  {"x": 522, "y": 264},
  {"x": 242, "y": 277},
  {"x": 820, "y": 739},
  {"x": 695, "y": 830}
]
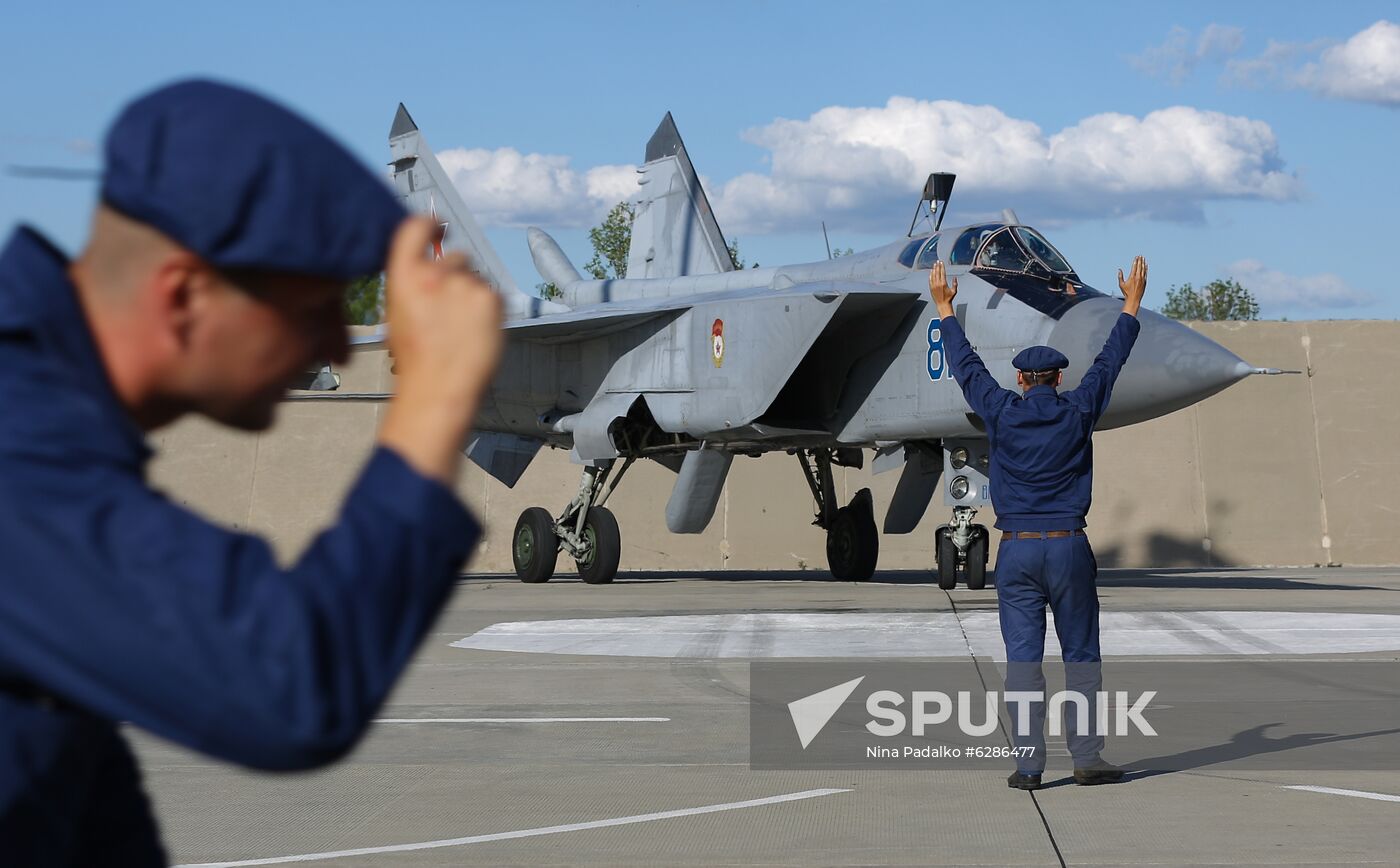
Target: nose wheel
[
  {"x": 961, "y": 549},
  {"x": 587, "y": 532}
]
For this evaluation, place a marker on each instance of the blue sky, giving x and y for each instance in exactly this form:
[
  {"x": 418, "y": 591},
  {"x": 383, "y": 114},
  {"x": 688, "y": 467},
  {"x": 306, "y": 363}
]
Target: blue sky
[{"x": 1254, "y": 139}]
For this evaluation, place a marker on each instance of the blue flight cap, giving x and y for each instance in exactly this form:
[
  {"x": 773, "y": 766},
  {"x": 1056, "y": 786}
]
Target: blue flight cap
[
  {"x": 246, "y": 184},
  {"x": 1040, "y": 359}
]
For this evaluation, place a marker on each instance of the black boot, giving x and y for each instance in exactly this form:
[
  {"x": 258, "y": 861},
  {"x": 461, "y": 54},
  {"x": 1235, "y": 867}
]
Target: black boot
[
  {"x": 1098, "y": 772},
  {"x": 1018, "y": 781}
]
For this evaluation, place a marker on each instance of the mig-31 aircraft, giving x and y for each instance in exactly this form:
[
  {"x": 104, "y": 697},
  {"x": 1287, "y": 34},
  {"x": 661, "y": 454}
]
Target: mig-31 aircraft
[{"x": 689, "y": 362}]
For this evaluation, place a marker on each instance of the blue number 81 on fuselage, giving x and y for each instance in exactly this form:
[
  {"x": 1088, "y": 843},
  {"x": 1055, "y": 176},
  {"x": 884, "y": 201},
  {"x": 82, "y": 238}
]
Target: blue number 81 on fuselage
[{"x": 937, "y": 362}]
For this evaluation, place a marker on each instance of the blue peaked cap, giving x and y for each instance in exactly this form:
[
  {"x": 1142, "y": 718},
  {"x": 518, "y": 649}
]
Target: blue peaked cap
[
  {"x": 1040, "y": 359},
  {"x": 247, "y": 184}
]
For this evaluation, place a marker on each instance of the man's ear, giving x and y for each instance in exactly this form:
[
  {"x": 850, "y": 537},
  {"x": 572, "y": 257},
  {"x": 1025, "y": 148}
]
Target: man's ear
[
  {"x": 176, "y": 296},
  {"x": 1059, "y": 378}
]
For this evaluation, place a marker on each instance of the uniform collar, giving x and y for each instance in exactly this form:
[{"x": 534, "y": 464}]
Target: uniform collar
[
  {"x": 36, "y": 296},
  {"x": 1038, "y": 391}
]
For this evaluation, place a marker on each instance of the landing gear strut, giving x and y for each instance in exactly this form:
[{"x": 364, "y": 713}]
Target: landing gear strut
[
  {"x": 852, "y": 542},
  {"x": 961, "y": 549},
  {"x": 586, "y": 530}
]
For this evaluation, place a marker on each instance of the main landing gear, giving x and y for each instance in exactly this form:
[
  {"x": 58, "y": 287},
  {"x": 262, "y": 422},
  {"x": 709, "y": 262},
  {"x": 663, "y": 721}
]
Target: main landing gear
[
  {"x": 960, "y": 548},
  {"x": 587, "y": 531},
  {"x": 852, "y": 541}
]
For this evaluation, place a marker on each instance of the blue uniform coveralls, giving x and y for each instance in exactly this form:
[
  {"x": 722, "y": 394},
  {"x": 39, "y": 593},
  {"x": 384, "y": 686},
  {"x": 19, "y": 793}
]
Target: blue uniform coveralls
[
  {"x": 1041, "y": 474},
  {"x": 119, "y": 605}
]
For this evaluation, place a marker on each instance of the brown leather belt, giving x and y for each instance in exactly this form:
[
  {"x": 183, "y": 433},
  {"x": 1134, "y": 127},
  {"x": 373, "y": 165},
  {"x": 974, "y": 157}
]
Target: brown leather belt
[{"x": 1039, "y": 534}]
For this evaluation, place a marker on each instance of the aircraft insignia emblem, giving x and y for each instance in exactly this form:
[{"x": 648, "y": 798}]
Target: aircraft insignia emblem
[{"x": 717, "y": 342}]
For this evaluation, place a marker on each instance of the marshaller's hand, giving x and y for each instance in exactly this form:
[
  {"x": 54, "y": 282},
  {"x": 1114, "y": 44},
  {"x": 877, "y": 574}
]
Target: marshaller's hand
[
  {"x": 1135, "y": 286},
  {"x": 444, "y": 320},
  {"x": 940, "y": 290},
  {"x": 446, "y": 340}
]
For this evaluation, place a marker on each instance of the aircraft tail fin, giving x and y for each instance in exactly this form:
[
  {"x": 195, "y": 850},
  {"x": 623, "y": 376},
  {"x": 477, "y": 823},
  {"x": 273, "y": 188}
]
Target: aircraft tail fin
[
  {"x": 426, "y": 189},
  {"x": 674, "y": 232}
]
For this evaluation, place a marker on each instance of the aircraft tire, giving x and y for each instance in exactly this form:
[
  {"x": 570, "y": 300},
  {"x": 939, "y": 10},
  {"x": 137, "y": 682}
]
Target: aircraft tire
[
  {"x": 946, "y": 555},
  {"x": 534, "y": 547},
  {"x": 977, "y": 559},
  {"x": 601, "y": 530},
  {"x": 852, "y": 541}
]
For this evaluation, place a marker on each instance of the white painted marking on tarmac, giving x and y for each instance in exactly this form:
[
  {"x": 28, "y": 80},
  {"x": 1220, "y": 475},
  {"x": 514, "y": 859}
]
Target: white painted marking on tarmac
[
  {"x": 936, "y": 634},
  {"x": 1355, "y": 794},
  {"x": 523, "y": 720},
  {"x": 528, "y": 833}
]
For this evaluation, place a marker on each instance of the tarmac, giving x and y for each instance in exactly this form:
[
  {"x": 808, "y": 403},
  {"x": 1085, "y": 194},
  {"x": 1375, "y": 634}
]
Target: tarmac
[{"x": 566, "y": 724}]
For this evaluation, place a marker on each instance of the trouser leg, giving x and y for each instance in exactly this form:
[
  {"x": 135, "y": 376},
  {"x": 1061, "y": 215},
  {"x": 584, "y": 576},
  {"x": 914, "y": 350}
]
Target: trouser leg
[
  {"x": 1021, "y": 601},
  {"x": 1071, "y": 574}
]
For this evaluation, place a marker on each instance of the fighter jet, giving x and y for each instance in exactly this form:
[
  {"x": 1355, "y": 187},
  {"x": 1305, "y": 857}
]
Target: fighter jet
[{"x": 691, "y": 363}]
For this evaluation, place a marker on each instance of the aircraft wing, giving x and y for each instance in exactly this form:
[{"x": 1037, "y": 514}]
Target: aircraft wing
[{"x": 591, "y": 321}]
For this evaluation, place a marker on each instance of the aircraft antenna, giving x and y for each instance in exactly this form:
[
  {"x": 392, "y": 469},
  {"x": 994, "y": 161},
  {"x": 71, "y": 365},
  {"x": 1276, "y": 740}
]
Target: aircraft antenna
[{"x": 827, "y": 240}]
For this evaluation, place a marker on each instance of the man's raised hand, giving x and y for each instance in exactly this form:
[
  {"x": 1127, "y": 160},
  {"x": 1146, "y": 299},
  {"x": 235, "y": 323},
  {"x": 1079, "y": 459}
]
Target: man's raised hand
[
  {"x": 940, "y": 290},
  {"x": 1135, "y": 286},
  {"x": 446, "y": 339},
  {"x": 444, "y": 320}
]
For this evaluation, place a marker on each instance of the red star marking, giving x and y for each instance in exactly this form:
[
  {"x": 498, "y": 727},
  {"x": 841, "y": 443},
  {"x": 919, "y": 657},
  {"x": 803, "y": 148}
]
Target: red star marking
[{"x": 442, "y": 224}]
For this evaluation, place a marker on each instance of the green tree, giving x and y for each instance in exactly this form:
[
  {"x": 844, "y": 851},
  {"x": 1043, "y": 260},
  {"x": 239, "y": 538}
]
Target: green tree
[
  {"x": 364, "y": 300},
  {"x": 1218, "y": 300},
  {"x": 548, "y": 291},
  {"x": 610, "y": 240},
  {"x": 842, "y": 252},
  {"x": 735, "y": 258}
]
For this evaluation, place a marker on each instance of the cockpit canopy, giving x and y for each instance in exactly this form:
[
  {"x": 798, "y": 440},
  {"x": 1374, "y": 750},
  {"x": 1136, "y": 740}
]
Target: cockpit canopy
[
  {"x": 995, "y": 246},
  {"x": 1016, "y": 249}
]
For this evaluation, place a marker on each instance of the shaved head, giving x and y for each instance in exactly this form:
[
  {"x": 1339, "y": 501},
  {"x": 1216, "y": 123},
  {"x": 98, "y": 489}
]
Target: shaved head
[{"x": 121, "y": 253}]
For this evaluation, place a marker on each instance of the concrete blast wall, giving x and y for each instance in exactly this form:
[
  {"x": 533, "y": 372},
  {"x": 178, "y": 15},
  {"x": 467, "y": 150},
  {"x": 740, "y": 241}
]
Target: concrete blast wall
[{"x": 1289, "y": 470}]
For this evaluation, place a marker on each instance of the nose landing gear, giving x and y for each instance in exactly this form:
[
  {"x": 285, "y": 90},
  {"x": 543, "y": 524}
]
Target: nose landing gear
[{"x": 961, "y": 551}]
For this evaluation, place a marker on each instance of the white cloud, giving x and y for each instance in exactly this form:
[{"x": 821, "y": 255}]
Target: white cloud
[
  {"x": 862, "y": 167},
  {"x": 859, "y": 163},
  {"x": 1275, "y": 289},
  {"x": 504, "y": 187},
  {"x": 1365, "y": 68},
  {"x": 1179, "y": 55}
]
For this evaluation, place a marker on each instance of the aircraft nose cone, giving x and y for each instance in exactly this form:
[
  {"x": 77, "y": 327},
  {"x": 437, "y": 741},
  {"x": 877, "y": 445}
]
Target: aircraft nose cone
[{"x": 1170, "y": 367}]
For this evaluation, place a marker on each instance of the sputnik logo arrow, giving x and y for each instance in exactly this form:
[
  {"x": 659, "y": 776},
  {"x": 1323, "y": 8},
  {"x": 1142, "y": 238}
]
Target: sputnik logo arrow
[{"x": 811, "y": 714}]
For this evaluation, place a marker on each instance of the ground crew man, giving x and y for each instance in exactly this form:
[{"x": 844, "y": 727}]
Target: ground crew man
[
  {"x": 227, "y": 230},
  {"x": 1041, "y": 481}
]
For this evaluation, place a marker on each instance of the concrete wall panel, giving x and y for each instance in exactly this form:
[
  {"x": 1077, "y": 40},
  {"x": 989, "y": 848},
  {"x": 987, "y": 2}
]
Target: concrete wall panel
[
  {"x": 1259, "y": 454},
  {"x": 1353, "y": 369}
]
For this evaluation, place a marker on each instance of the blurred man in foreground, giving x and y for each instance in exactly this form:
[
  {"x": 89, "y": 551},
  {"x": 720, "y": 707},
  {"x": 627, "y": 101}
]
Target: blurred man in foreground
[{"x": 227, "y": 231}]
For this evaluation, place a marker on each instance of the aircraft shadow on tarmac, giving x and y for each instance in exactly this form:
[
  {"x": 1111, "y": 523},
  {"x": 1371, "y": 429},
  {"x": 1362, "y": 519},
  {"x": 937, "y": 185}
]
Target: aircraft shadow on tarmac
[{"x": 1246, "y": 743}]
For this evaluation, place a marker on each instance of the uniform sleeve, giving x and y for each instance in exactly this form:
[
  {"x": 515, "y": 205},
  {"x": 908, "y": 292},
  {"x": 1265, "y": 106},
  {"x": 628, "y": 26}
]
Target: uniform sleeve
[
  {"x": 983, "y": 395},
  {"x": 1092, "y": 394},
  {"x": 121, "y": 602}
]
